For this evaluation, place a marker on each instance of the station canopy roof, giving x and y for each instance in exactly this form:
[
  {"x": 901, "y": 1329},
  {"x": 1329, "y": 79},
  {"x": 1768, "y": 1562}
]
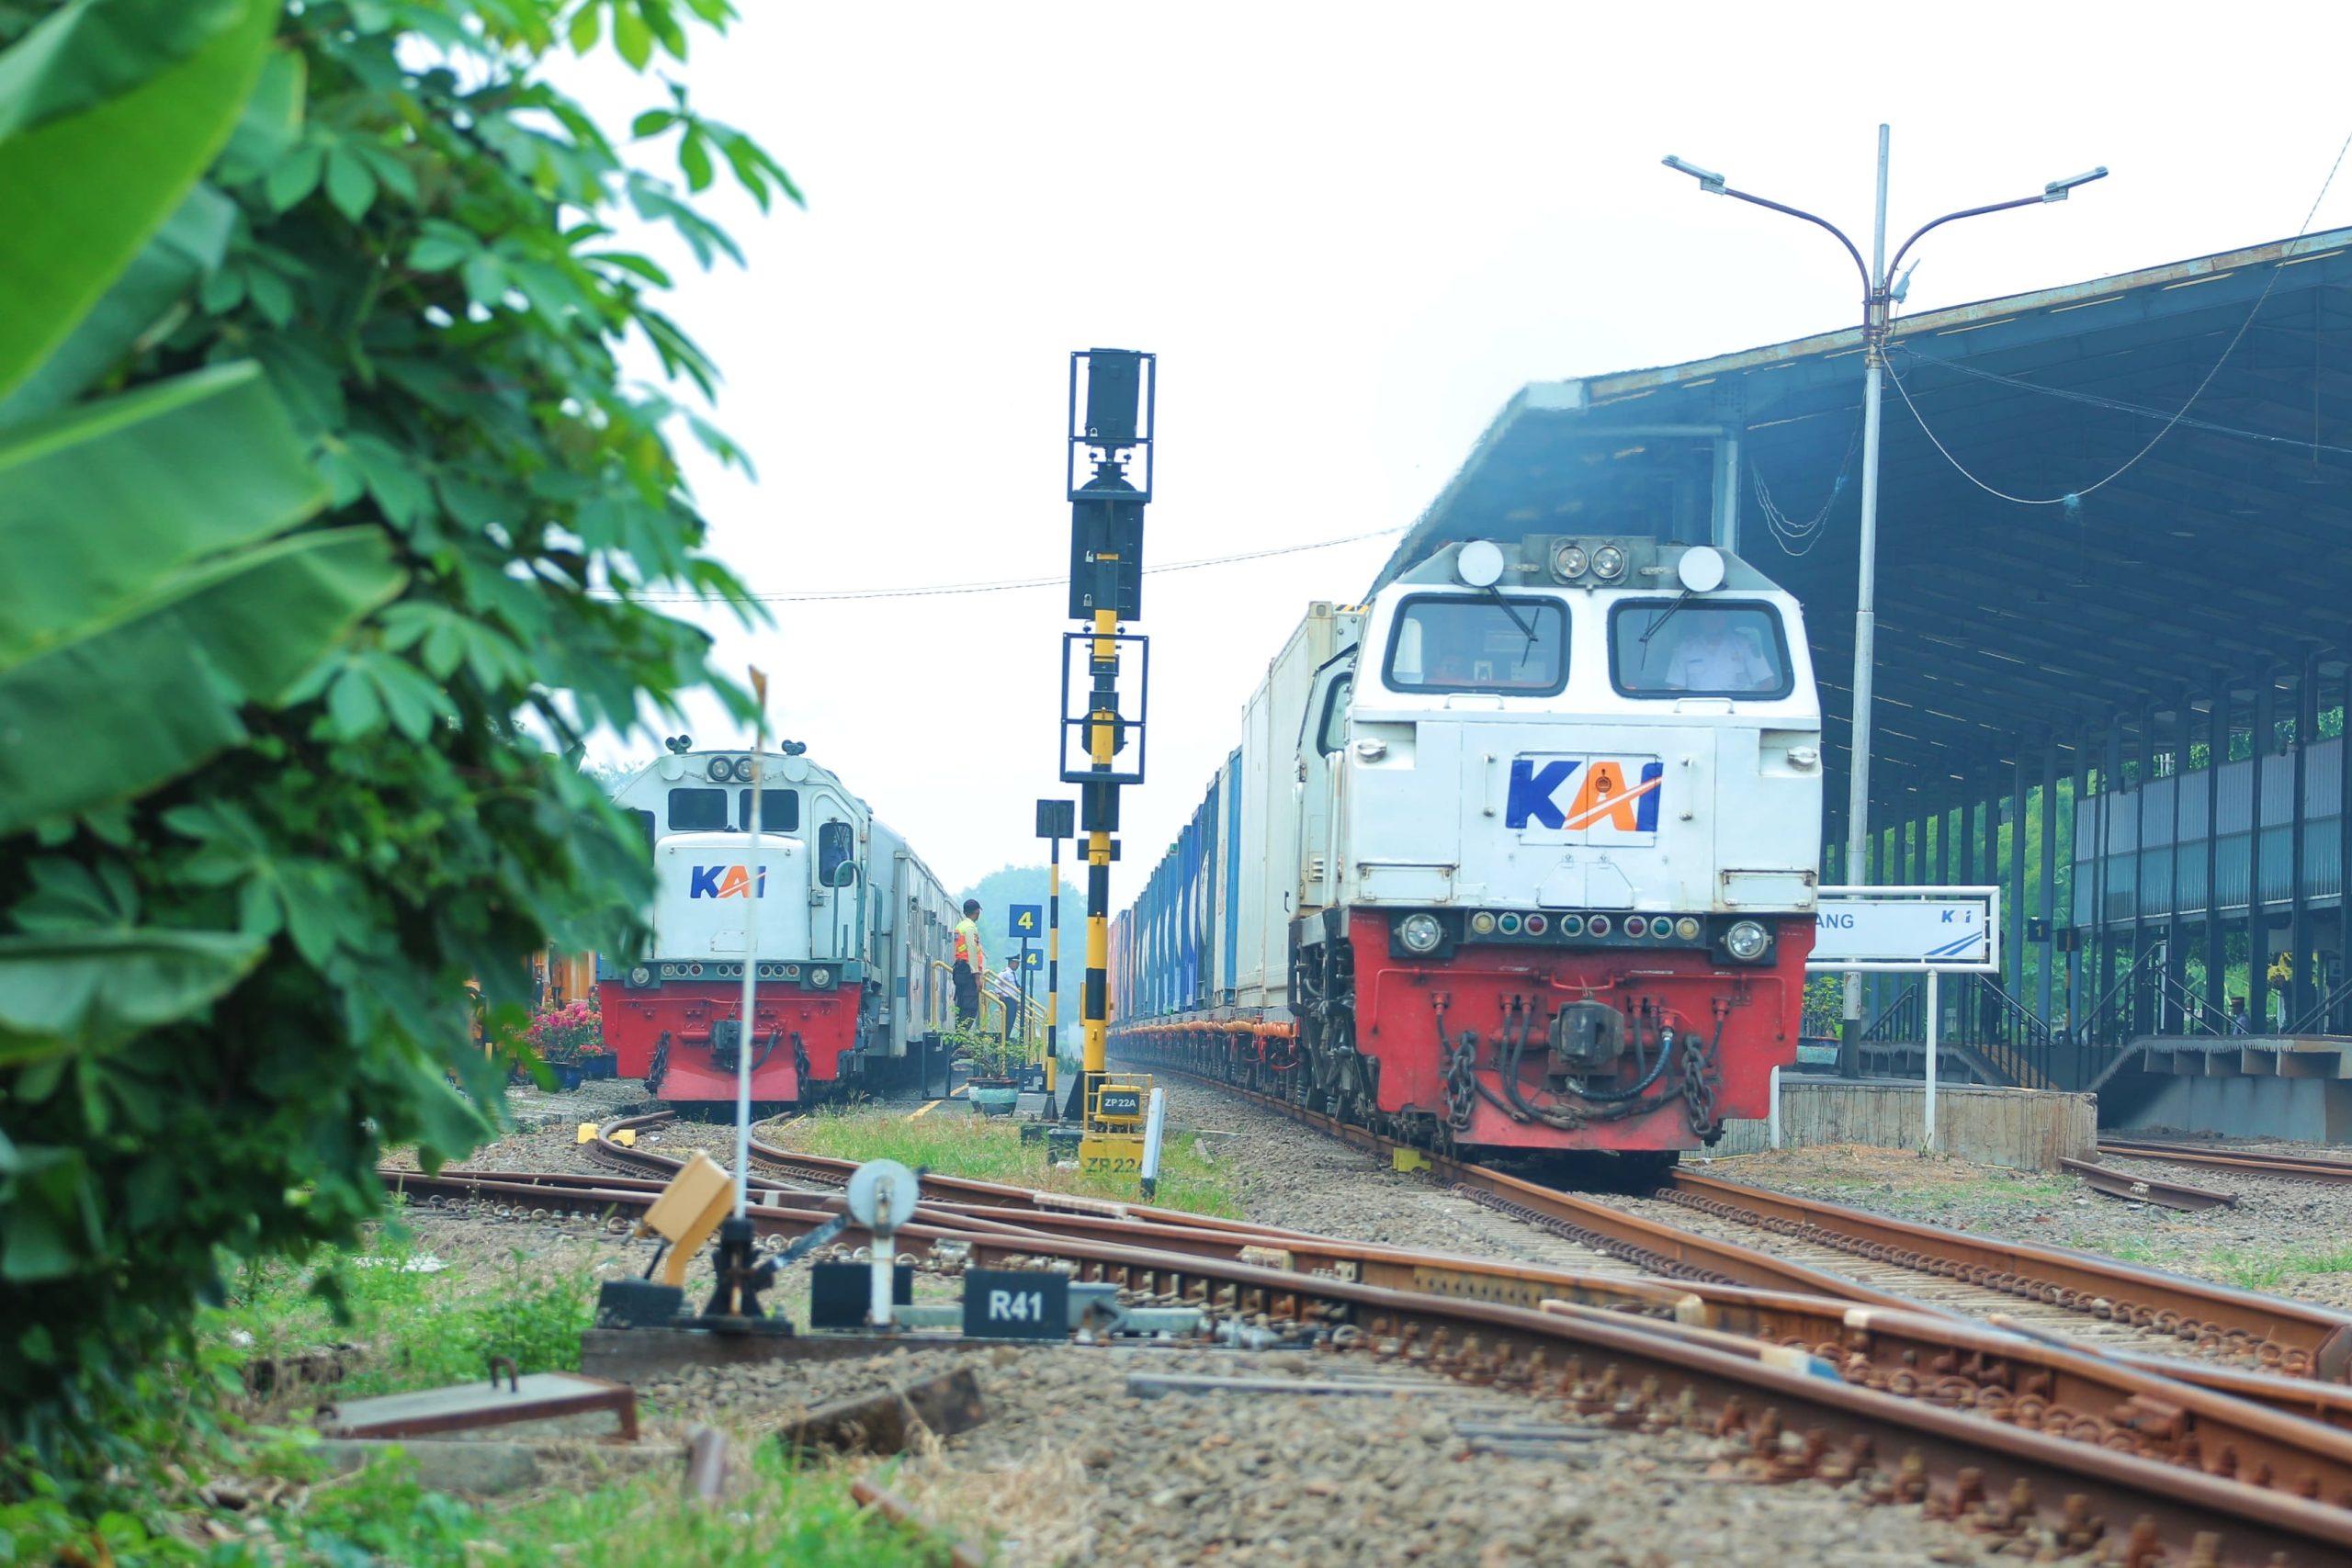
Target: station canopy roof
[{"x": 2218, "y": 557}]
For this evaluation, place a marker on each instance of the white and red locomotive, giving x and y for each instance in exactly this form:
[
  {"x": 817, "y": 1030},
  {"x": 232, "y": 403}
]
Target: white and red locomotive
[
  {"x": 854, "y": 933},
  {"x": 1522, "y": 855}
]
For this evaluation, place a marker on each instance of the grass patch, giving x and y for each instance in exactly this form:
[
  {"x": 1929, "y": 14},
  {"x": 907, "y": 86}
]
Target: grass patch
[
  {"x": 414, "y": 1326},
  {"x": 2267, "y": 1271},
  {"x": 405, "y": 1325},
  {"x": 381, "y": 1518},
  {"x": 989, "y": 1148}
]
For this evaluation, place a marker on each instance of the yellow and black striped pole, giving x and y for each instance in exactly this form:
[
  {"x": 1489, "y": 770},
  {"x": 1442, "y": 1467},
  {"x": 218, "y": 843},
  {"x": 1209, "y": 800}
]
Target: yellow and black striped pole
[
  {"x": 1100, "y": 742},
  {"x": 1053, "y": 966}
]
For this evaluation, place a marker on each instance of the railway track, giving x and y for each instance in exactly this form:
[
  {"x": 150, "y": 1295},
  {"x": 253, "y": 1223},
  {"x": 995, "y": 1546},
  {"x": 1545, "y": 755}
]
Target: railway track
[
  {"x": 2014, "y": 1438},
  {"x": 2294, "y": 1168},
  {"x": 2114, "y": 1307}
]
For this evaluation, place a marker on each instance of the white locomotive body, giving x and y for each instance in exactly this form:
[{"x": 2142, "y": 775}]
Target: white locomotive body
[
  {"x": 854, "y": 933},
  {"x": 1521, "y": 854}
]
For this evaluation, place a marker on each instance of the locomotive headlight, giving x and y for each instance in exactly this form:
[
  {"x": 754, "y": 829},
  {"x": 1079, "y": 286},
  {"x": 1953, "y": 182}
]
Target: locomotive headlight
[
  {"x": 641, "y": 976},
  {"x": 1419, "y": 933},
  {"x": 1746, "y": 940},
  {"x": 721, "y": 769},
  {"x": 821, "y": 978},
  {"x": 1569, "y": 562},
  {"x": 1609, "y": 563}
]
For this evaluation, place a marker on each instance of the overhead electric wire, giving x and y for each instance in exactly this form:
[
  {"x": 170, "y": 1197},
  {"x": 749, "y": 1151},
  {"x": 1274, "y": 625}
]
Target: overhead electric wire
[
  {"x": 2074, "y": 497},
  {"x": 1788, "y": 531},
  {"x": 1005, "y": 585},
  {"x": 2095, "y": 400}
]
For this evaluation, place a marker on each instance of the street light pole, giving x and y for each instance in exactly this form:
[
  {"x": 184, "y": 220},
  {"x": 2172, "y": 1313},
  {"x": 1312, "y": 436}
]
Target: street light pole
[
  {"x": 1879, "y": 298},
  {"x": 1876, "y": 309}
]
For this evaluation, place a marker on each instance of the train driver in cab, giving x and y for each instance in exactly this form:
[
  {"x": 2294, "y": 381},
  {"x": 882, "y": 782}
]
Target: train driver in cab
[{"x": 1715, "y": 655}]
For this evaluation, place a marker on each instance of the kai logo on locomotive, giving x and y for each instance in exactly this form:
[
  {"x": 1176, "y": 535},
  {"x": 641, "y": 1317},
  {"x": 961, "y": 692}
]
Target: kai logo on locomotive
[
  {"x": 1615, "y": 799},
  {"x": 726, "y": 882}
]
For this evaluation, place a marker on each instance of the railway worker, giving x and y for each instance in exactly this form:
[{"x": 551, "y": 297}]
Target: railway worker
[
  {"x": 971, "y": 963},
  {"x": 1714, "y": 657}
]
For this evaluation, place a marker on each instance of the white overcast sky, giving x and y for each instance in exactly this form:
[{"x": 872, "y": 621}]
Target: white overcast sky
[{"x": 1351, "y": 233}]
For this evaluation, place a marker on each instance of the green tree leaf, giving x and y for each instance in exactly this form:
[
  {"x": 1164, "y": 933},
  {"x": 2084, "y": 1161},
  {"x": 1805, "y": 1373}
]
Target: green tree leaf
[
  {"x": 350, "y": 185},
  {"x": 632, "y": 38},
  {"x": 88, "y": 189},
  {"x": 64, "y": 992},
  {"x": 581, "y": 35}
]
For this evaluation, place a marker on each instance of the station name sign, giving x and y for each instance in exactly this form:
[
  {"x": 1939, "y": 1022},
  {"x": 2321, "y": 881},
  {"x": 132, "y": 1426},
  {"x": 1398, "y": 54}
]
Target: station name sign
[{"x": 1935, "y": 928}]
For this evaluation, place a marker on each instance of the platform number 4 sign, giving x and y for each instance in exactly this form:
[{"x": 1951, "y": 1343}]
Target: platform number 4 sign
[
  {"x": 1026, "y": 920},
  {"x": 1015, "y": 1304}
]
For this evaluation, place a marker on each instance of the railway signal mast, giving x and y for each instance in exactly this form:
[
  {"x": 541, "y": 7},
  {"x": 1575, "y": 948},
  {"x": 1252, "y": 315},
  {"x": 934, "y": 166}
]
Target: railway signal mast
[{"x": 1105, "y": 672}]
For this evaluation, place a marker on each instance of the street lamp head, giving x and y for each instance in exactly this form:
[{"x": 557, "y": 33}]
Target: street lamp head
[
  {"x": 2056, "y": 189},
  {"x": 1708, "y": 181}
]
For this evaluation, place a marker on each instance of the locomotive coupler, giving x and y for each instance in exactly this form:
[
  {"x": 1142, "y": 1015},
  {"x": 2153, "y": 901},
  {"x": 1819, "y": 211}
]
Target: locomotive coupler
[{"x": 1587, "y": 1035}]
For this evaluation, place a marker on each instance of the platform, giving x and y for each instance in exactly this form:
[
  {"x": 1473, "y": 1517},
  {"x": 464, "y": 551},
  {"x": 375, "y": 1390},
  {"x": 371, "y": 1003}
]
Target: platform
[
  {"x": 2024, "y": 1129},
  {"x": 2295, "y": 1087}
]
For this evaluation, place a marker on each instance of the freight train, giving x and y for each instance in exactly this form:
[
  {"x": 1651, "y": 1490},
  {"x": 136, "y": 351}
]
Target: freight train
[
  {"x": 854, "y": 934},
  {"x": 1519, "y": 856}
]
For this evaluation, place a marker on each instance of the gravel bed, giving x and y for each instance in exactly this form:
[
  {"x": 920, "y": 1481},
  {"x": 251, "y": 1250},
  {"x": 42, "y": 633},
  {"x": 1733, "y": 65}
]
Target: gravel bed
[
  {"x": 1071, "y": 1468},
  {"x": 546, "y": 1127},
  {"x": 2289, "y": 1238},
  {"x": 1297, "y": 1177}
]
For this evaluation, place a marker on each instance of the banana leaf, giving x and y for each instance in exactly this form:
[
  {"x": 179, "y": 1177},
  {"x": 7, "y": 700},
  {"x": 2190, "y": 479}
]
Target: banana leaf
[
  {"x": 146, "y": 594},
  {"x": 88, "y": 186}
]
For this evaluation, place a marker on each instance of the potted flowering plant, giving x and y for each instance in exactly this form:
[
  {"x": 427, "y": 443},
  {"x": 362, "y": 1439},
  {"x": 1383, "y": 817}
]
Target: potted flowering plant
[{"x": 571, "y": 1039}]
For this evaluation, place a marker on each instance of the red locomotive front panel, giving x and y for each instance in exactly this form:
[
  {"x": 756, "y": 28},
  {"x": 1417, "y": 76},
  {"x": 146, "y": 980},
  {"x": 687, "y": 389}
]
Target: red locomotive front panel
[
  {"x": 1645, "y": 1045},
  {"x": 682, "y": 1036}
]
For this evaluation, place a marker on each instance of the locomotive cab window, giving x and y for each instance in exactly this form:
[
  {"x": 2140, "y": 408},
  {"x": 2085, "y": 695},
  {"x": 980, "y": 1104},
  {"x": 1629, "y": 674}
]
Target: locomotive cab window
[
  {"x": 1667, "y": 647},
  {"x": 1334, "y": 733},
  {"x": 1456, "y": 643},
  {"x": 833, "y": 849},
  {"x": 645, "y": 825},
  {"x": 697, "y": 811},
  {"x": 779, "y": 810}
]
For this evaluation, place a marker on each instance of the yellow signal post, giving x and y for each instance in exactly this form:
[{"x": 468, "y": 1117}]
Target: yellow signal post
[{"x": 1110, "y": 451}]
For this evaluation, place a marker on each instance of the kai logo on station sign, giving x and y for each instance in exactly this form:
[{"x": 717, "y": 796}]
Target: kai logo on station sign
[
  {"x": 725, "y": 882},
  {"x": 1585, "y": 799}
]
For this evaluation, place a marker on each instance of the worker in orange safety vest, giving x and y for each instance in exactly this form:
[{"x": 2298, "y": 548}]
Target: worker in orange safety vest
[{"x": 970, "y": 963}]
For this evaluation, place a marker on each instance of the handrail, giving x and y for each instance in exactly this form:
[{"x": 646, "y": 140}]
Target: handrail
[
  {"x": 2103, "y": 1006},
  {"x": 1907, "y": 1006},
  {"x": 2320, "y": 1011}
]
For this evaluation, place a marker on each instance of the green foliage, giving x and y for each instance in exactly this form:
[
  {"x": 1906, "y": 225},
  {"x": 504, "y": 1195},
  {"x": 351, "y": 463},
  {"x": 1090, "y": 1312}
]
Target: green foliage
[
  {"x": 343, "y": 542},
  {"x": 382, "y": 1517},
  {"x": 415, "y": 1326},
  {"x": 96, "y": 81},
  {"x": 985, "y": 1056}
]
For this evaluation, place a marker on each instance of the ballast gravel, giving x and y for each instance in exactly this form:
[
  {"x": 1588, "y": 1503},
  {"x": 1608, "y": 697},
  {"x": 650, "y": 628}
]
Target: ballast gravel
[
  {"x": 2285, "y": 1236},
  {"x": 1298, "y": 1179},
  {"x": 1072, "y": 1468}
]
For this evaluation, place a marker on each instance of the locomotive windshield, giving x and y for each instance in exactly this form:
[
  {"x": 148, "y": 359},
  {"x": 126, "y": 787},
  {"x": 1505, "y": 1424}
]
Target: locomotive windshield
[
  {"x": 1679, "y": 649},
  {"x": 1452, "y": 643}
]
